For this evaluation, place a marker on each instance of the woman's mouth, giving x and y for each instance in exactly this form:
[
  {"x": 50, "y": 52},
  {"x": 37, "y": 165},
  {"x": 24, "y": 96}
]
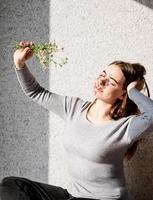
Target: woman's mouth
[{"x": 99, "y": 89}]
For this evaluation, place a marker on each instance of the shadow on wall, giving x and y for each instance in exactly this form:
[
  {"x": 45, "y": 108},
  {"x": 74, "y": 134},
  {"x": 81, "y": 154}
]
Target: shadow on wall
[
  {"x": 139, "y": 171},
  {"x": 148, "y": 3},
  {"x": 24, "y": 125}
]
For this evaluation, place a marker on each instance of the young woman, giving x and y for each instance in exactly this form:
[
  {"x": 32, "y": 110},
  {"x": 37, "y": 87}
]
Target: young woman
[{"x": 98, "y": 135}]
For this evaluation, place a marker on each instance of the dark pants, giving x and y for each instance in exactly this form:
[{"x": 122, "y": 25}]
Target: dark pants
[{"x": 17, "y": 188}]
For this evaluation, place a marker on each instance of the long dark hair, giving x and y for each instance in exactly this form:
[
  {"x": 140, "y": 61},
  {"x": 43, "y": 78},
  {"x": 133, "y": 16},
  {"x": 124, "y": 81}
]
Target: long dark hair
[{"x": 126, "y": 107}]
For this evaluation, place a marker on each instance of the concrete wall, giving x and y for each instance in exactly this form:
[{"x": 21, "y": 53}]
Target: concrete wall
[
  {"x": 23, "y": 133},
  {"x": 94, "y": 33}
]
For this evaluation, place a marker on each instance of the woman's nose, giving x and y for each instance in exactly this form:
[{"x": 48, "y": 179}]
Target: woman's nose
[{"x": 104, "y": 81}]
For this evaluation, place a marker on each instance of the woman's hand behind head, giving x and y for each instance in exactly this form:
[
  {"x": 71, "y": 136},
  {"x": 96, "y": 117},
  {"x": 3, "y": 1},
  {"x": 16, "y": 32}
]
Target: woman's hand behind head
[{"x": 137, "y": 84}]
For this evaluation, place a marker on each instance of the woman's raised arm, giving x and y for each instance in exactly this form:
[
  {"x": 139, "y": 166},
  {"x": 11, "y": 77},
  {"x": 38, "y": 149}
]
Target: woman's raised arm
[
  {"x": 63, "y": 106},
  {"x": 140, "y": 125}
]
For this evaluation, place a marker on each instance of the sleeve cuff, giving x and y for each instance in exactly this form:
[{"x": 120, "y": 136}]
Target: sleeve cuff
[{"x": 24, "y": 74}]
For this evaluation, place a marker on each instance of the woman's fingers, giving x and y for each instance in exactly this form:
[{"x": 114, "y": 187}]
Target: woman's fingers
[
  {"x": 22, "y": 54},
  {"x": 26, "y": 49},
  {"x": 28, "y": 53},
  {"x": 25, "y": 44}
]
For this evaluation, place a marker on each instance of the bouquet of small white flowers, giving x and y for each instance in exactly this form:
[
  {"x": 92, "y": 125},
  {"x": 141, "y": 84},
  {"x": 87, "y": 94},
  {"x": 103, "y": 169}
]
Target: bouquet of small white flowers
[{"x": 46, "y": 53}]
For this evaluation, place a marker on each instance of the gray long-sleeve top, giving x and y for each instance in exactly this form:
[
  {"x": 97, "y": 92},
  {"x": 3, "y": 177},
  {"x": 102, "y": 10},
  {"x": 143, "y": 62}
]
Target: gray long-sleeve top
[{"x": 94, "y": 152}]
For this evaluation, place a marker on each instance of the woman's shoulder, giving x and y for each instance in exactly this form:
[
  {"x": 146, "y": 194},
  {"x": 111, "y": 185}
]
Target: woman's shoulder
[
  {"x": 125, "y": 119},
  {"x": 75, "y": 104}
]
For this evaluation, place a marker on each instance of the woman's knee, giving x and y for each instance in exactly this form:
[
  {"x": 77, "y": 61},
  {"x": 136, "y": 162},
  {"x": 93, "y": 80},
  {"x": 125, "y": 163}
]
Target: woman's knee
[
  {"x": 12, "y": 188},
  {"x": 6, "y": 181}
]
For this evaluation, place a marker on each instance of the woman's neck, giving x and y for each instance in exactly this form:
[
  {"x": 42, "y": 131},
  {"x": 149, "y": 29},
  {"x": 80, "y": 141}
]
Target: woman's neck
[{"x": 98, "y": 112}]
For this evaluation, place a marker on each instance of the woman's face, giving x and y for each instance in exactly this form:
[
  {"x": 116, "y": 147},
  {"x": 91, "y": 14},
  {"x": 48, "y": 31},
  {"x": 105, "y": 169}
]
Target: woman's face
[{"x": 108, "y": 86}]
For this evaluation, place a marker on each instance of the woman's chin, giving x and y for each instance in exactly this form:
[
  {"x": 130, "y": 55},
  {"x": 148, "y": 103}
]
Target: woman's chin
[{"x": 98, "y": 93}]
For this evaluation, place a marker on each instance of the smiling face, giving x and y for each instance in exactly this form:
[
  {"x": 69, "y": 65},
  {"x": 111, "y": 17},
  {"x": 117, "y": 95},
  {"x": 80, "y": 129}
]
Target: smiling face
[{"x": 109, "y": 85}]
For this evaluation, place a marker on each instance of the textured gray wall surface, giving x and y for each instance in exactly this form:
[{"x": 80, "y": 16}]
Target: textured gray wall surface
[
  {"x": 93, "y": 33},
  {"x": 23, "y": 133}
]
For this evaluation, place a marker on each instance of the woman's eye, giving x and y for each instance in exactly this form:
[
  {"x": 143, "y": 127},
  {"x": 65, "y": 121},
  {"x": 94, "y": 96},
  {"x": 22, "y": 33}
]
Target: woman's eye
[{"x": 113, "y": 84}]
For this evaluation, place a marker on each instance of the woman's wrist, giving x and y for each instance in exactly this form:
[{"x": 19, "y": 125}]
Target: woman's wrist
[
  {"x": 131, "y": 85},
  {"x": 20, "y": 66}
]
